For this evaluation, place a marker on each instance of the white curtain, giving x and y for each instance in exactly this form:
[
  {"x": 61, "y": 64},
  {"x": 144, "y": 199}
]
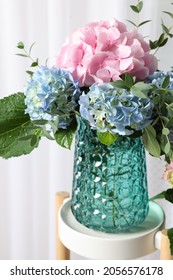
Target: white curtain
[{"x": 28, "y": 184}]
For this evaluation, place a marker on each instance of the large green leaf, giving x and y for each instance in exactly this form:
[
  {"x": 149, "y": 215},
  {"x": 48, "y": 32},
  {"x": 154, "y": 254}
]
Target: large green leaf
[
  {"x": 107, "y": 138},
  {"x": 128, "y": 80},
  {"x": 64, "y": 137},
  {"x": 119, "y": 84},
  {"x": 150, "y": 141},
  {"x": 15, "y": 124},
  {"x": 141, "y": 89}
]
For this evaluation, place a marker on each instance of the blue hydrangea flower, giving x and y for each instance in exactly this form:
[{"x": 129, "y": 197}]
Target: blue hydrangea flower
[
  {"x": 52, "y": 95},
  {"x": 115, "y": 110},
  {"x": 158, "y": 77}
]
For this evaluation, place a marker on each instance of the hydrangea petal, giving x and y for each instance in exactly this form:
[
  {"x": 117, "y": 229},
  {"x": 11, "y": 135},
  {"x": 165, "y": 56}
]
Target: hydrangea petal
[
  {"x": 52, "y": 95},
  {"x": 123, "y": 51},
  {"x": 96, "y": 43},
  {"x": 115, "y": 110}
]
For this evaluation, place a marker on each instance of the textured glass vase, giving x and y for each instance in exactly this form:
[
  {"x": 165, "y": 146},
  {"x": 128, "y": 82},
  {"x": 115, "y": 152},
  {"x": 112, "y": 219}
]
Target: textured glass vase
[{"x": 109, "y": 190}]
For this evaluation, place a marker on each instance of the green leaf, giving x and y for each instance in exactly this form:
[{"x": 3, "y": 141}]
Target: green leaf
[
  {"x": 169, "y": 157},
  {"x": 170, "y": 113},
  {"x": 139, "y": 93},
  {"x": 169, "y": 195},
  {"x": 20, "y": 45},
  {"x": 156, "y": 100},
  {"x": 107, "y": 138},
  {"x": 12, "y": 112},
  {"x": 64, "y": 137},
  {"x": 30, "y": 73},
  {"x": 170, "y": 123},
  {"x": 164, "y": 42},
  {"x": 161, "y": 39},
  {"x": 21, "y": 54},
  {"x": 12, "y": 127},
  {"x": 134, "y": 24},
  {"x": 24, "y": 138},
  {"x": 167, "y": 148},
  {"x": 165, "y": 119},
  {"x": 168, "y": 13},
  {"x": 134, "y": 8},
  {"x": 33, "y": 140},
  {"x": 150, "y": 141},
  {"x": 158, "y": 43},
  {"x": 170, "y": 35},
  {"x": 170, "y": 236},
  {"x": 143, "y": 22},
  {"x": 151, "y": 130},
  {"x": 119, "y": 84},
  {"x": 137, "y": 8},
  {"x": 128, "y": 80},
  {"x": 140, "y": 89},
  {"x": 166, "y": 81},
  {"x": 169, "y": 93},
  {"x": 140, "y": 6},
  {"x": 47, "y": 134},
  {"x": 153, "y": 44},
  {"x": 143, "y": 86},
  {"x": 158, "y": 196},
  {"x": 34, "y": 64},
  {"x": 163, "y": 142},
  {"x": 165, "y": 131},
  {"x": 165, "y": 29},
  {"x": 155, "y": 121}
]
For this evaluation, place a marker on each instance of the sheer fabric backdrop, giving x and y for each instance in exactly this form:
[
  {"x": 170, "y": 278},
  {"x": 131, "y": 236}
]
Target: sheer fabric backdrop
[{"x": 28, "y": 184}]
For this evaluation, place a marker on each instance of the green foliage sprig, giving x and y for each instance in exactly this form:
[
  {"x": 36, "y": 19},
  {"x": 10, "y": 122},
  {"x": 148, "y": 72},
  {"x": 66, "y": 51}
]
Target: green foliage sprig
[
  {"x": 166, "y": 31},
  {"x": 137, "y": 9},
  {"x": 27, "y": 54}
]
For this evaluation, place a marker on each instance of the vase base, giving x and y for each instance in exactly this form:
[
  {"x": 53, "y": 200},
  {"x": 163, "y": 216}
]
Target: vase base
[
  {"x": 100, "y": 245},
  {"x": 109, "y": 225}
]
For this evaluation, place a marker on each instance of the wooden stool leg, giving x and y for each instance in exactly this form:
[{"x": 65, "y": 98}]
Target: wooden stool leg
[
  {"x": 165, "y": 247},
  {"x": 62, "y": 253}
]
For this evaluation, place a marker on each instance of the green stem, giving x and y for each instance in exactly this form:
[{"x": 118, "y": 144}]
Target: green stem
[
  {"x": 137, "y": 21},
  {"x": 29, "y": 56},
  {"x": 113, "y": 212},
  {"x": 156, "y": 50},
  {"x": 163, "y": 126}
]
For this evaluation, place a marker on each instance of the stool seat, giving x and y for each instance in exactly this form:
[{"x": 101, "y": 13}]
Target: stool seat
[{"x": 93, "y": 244}]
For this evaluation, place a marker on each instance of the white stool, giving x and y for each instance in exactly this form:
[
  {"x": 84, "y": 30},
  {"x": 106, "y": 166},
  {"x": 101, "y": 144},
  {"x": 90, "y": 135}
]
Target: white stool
[{"x": 140, "y": 241}]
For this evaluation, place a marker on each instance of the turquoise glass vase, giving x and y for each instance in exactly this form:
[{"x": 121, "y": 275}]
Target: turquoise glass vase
[{"x": 109, "y": 191}]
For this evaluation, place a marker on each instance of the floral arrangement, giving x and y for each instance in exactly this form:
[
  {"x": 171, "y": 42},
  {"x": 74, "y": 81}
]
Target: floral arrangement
[{"x": 108, "y": 76}]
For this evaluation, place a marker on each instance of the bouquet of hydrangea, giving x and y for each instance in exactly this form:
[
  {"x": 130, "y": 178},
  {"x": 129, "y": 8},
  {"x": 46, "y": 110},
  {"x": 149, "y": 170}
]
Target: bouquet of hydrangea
[{"x": 108, "y": 76}]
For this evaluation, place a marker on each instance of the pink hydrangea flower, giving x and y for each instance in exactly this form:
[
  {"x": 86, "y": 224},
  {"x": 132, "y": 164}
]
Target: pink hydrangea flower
[
  {"x": 102, "y": 51},
  {"x": 168, "y": 173}
]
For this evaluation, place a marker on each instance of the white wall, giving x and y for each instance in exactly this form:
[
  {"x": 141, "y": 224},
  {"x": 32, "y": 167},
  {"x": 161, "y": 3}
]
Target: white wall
[{"x": 28, "y": 184}]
